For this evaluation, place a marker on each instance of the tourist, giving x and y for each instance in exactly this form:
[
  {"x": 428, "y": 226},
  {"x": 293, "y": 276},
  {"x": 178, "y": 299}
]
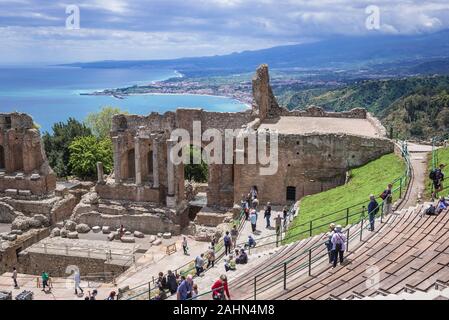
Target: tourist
[
  {"x": 111, "y": 296},
  {"x": 251, "y": 242},
  {"x": 93, "y": 295},
  {"x": 45, "y": 278},
  {"x": 14, "y": 277},
  {"x": 338, "y": 245},
  {"x": 245, "y": 206},
  {"x": 267, "y": 215},
  {"x": 253, "y": 219},
  {"x": 199, "y": 263},
  {"x": 195, "y": 291},
  {"x": 210, "y": 257},
  {"x": 441, "y": 205},
  {"x": 77, "y": 278},
  {"x": 220, "y": 289},
  {"x": 121, "y": 231},
  {"x": 373, "y": 209},
  {"x": 172, "y": 284},
  {"x": 242, "y": 258},
  {"x": 255, "y": 203},
  {"x": 213, "y": 242},
  {"x": 285, "y": 216},
  {"x": 229, "y": 264},
  {"x": 278, "y": 223},
  {"x": 328, "y": 242},
  {"x": 162, "y": 281},
  {"x": 387, "y": 197},
  {"x": 184, "y": 246},
  {"x": 227, "y": 243},
  {"x": 234, "y": 235},
  {"x": 437, "y": 177},
  {"x": 184, "y": 291},
  {"x": 253, "y": 192}
]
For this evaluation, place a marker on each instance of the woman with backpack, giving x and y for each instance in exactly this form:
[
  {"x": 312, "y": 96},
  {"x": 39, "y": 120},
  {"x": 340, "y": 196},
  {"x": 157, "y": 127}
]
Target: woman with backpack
[{"x": 338, "y": 245}]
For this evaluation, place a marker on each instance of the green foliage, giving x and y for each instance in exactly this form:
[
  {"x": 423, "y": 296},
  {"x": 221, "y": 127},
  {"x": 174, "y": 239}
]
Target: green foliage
[
  {"x": 57, "y": 144},
  {"x": 414, "y": 107},
  {"x": 86, "y": 151},
  {"x": 196, "y": 172},
  {"x": 100, "y": 122},
  {"x": 371, "y": 178}
]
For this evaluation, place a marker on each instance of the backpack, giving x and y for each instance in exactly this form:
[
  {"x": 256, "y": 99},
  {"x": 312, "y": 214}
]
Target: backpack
[
  {"x": 384, "y": 195},
  {"x": 433, "y": 174},
  {"x": 430, "y": 210}
]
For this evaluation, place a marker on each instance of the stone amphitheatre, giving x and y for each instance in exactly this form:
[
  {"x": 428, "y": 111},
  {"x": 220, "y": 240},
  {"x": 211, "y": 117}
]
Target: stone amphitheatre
[{"x": 50, "y": 225}]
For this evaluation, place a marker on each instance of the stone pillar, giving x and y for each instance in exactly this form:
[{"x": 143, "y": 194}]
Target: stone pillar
[
  {"x": 117, "y": 159},
  {"x": 138, "y": 162},
  {"x": 155, "y": 163},
  {"x": 100, "y": 172},
  {"x": 171, "y": 202}
]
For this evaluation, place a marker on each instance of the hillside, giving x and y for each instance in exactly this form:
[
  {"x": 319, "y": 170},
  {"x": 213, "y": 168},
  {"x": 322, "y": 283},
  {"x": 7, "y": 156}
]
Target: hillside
[
  {"x": 415, "y": 107},
  {"x": 371, "y": 178}
]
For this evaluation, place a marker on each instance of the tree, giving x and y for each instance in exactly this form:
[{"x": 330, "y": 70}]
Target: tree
[
  {"x": 85, "y": 152},
  {"x": 196, "y": 172},
  {"x": 101, "y": 122},
  {"x": 57, "y": 144}
]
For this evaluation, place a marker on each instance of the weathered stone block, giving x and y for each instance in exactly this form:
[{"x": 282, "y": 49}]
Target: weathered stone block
[
  {"x": 11, "y": 192},
  {"x": 24, "y": 193},
  {"x": 19, "y": 176},
  {"x": 56, "y": 232},
  {"x": 152, "y": 238},
  {"x": 157, "y": 242},
  {"x": 128, "y": 233},
  {"x": 138, "y": 234},
  {"x": 70, "y": 225},
  {"x": 72, "y": 235},
  {"x": 63, "y": 233},
  {"x": 128, "y": 239},
  {"x": 96, "y": 229},
  {"x": 112, "y": 236},
  {"x": 166, "y": 235},
  {"x": 35, "y": 176},
  {"x": 82, "y": 228},
  {"x": 106, "y": 229},
  {"x": 16, "y": 231}
]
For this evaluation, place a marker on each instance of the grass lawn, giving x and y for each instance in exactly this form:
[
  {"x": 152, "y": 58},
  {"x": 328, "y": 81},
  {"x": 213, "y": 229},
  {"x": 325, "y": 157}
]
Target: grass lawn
[
  {"x": 371, "y": 178},
  {"x": 442, "y": 156}
]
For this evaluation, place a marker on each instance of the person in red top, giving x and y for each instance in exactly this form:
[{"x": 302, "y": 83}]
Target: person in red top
[{"x": 219, "y": 288}]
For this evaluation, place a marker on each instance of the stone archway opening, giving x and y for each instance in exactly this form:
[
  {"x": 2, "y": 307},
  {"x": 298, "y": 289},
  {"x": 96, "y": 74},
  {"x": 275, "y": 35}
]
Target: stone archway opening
[
  {"x": 131, "y": 164},
  {"x": 2, "y": 158}
]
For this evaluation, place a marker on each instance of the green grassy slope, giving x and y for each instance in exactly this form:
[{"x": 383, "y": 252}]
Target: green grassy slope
[{"x": 371, "y": 178}]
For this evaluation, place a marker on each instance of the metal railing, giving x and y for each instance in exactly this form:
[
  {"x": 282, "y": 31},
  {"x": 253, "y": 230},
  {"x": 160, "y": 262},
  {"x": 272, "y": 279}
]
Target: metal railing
[{"x": 281, "y": 268}]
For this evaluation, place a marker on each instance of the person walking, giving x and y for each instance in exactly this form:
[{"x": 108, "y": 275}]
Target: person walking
[
  {"x": 328, "y": 242},
  {"x": 227, "y": 243},
  {"x": 220, "y": 289},
  {"x": 184, "y": 246},
  {"x": 267, "y": 215},
  {"x": 387, "y": 197},
  {"x": 184, "y": 291},
  {"x": 234, "y": 235},
  {"x": 45, "y": 278},
  {"x": 338, "y": 245},
  {"x": 437, "y": 177},
  {"x": 373, "y": 209},
  {"x": 278, "y": 224},
  {"x": 199, "y": 263},
  {"x": 285, "y": 216},
  {"x": 210, "y": 257},
  {"x": 14, "y": 277},
  {"x": 195, "y": 292},
  {"x": 162, "y": 281},
  {"x": 77, "y": 279},
  {"x": 253, "y": 219}
]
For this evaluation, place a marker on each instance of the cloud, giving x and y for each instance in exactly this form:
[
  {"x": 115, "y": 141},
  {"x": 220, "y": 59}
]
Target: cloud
[{"x": 161, "y": 28}]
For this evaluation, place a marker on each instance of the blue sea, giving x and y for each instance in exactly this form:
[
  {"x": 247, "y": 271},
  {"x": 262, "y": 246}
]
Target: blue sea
[{"x": 52, "y": 94}]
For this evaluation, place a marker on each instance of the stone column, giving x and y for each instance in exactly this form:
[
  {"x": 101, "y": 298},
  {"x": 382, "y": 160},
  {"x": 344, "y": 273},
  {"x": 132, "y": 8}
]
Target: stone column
[
  {"x": 100, "y": 172},
  {"x": 155, "y": 163},
  {"x": 117, "y": 159},
  {"x": 170, "y": 175},
  {"x": 138, "y": 162}
]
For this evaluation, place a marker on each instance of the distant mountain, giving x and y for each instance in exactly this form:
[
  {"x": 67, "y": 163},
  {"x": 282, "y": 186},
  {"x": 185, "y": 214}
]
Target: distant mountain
[{"x": 338, "y": 52}]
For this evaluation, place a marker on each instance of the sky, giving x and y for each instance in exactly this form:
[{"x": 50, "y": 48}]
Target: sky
[{"x": 41, "y": 31}]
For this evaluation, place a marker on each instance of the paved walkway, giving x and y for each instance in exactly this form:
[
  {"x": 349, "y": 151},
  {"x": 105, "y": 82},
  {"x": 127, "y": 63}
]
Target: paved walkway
[{"x": 418, "y": 161}]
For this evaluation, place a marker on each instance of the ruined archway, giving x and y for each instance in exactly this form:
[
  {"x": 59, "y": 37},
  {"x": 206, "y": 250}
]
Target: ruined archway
[
  {"x": 2, "y": 158},
  {"x": 131, "y": 164}
]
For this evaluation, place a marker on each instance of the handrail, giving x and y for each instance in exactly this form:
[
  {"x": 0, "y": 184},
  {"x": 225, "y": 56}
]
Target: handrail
[
  {"x": 283, "y": 264},
  {"x": 403, "y": 180}
]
